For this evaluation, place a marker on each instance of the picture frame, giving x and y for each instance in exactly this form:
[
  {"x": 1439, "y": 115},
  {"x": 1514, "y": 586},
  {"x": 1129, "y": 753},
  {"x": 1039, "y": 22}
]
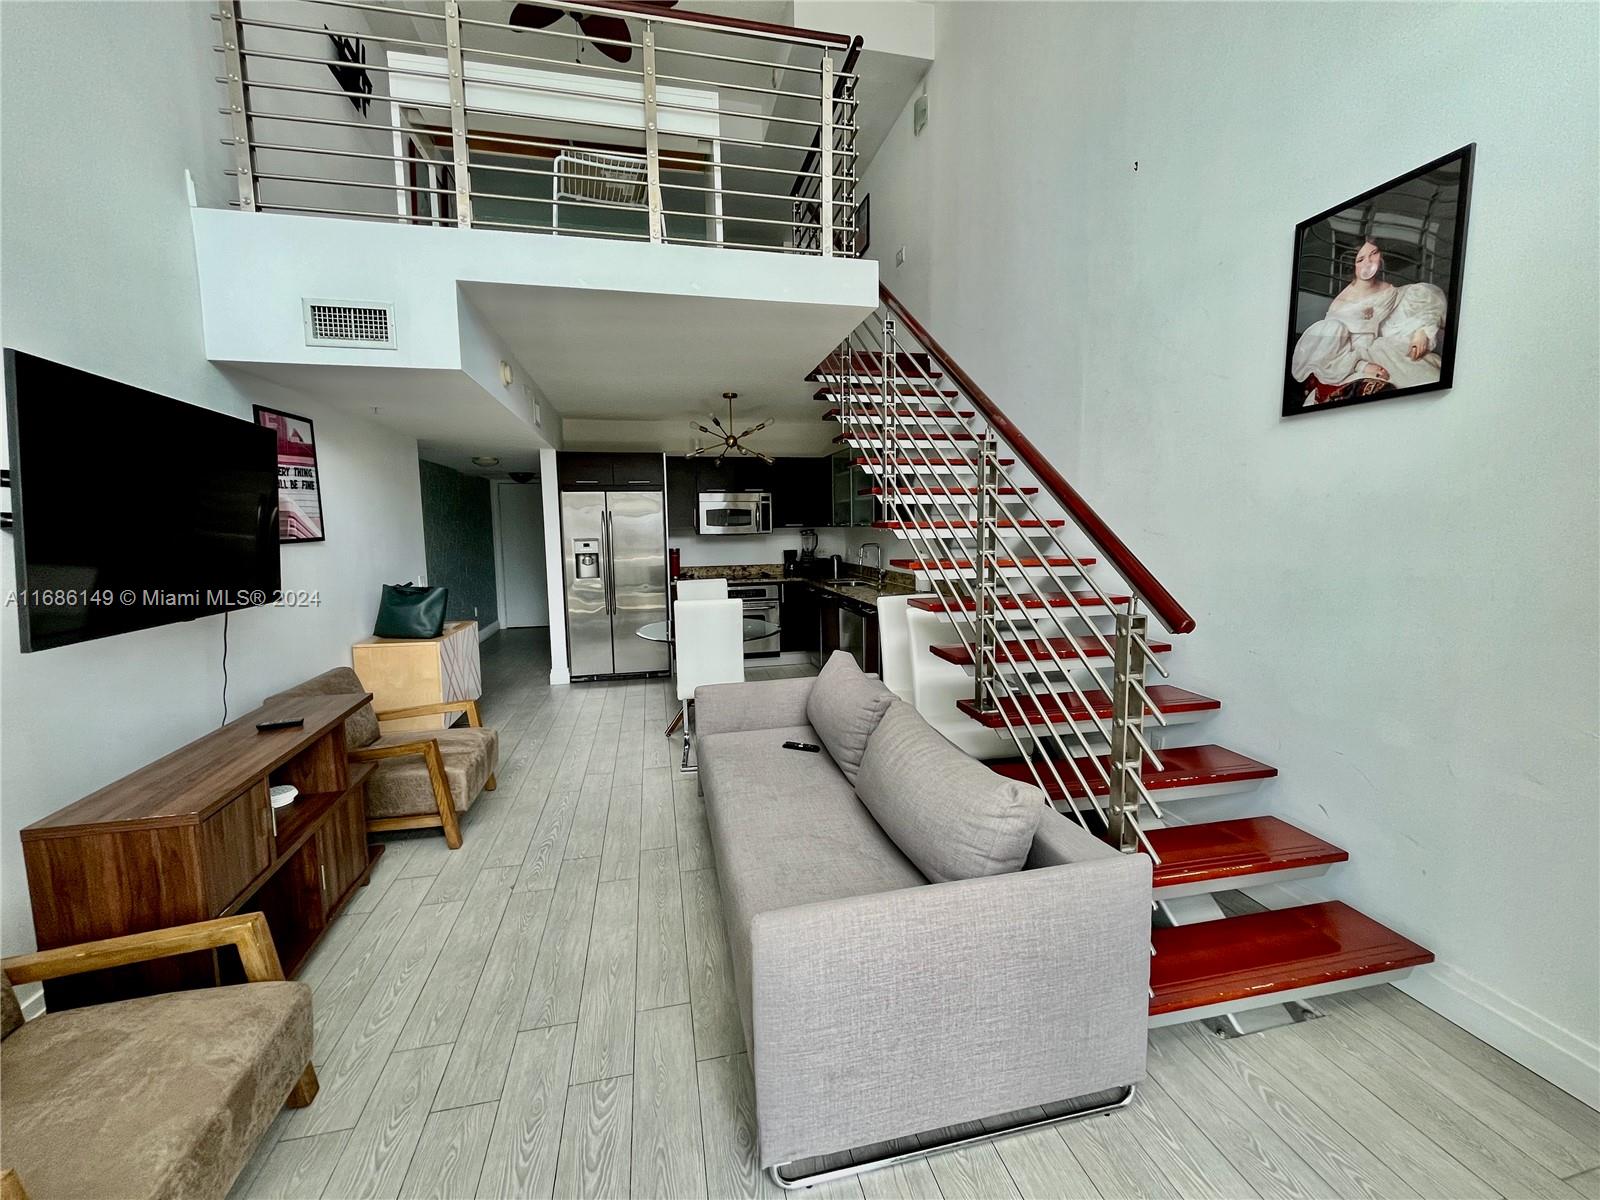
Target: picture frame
[
  {"x": 1375, "y": 291},
  {"x": 300, "y": 516}
]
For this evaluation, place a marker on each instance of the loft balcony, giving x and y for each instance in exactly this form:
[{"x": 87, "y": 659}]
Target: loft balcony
[{"x": 547, "y": 211}]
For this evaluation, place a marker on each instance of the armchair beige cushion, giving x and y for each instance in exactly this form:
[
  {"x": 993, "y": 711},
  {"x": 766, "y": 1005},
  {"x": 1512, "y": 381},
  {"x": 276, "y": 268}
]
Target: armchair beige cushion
[
  {"x": 361, "y": 727},
  {"x": 162, "y": 1097},
  {"x": 400, "y": 786}
]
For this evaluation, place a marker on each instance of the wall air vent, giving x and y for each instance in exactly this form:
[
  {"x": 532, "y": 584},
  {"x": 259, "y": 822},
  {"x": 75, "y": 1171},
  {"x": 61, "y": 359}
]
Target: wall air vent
[{"x": 341, "y": 323}]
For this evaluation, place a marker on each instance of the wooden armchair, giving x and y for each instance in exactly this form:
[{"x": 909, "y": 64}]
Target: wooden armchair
[
  {"x": 425, "y": 778},
  {"x": 157, "y": 1097},
  {"x": 427, "y": 748}
]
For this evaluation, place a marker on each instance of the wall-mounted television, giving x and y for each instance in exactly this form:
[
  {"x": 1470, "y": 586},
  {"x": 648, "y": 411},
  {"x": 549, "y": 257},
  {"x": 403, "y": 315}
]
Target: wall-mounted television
[{"x": 132, "y": 509}]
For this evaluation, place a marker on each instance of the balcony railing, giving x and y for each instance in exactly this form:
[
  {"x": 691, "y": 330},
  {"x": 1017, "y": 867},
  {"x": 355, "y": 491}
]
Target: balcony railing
[{"x": 602, "y": 119}]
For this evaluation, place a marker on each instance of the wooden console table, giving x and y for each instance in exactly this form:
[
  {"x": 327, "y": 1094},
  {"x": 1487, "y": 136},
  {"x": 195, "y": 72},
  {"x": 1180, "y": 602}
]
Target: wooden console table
[{"x": 193, "y": 836}]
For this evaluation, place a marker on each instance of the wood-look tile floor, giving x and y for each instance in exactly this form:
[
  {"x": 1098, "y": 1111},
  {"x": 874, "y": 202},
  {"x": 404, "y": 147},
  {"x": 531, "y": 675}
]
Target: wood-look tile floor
[{"x": 548, "y": 1011}]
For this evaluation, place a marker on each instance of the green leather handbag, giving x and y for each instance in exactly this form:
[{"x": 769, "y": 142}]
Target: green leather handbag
[{"x": 410, "y": 611}]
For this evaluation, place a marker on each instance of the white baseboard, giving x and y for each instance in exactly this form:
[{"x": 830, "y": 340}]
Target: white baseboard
[
  {"x": 559, "y": 676},
  {"x": 489, "y": 630},
  {"x": 1545, "y": 1048},
  {"x": 1542, "y": 1046}
]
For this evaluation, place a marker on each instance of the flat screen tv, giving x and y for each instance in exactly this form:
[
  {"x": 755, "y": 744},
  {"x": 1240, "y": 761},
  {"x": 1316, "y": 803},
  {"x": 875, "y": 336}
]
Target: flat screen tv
[{"x": 132, "y": 509}]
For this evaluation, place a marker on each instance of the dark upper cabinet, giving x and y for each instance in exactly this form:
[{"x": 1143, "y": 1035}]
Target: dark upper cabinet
[
  {"x": 682, "y": 494},
  {"x": 579, "y": 471},
  {"x": 735, "y": 473},
  {"x": 800, "y": 488},
  {"x": 800, "y": 493},
  {"x": 636, "y": 471}
]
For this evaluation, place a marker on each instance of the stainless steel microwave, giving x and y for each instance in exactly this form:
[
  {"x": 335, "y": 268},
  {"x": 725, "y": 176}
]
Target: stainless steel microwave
[{"x": 733, "y": 512}]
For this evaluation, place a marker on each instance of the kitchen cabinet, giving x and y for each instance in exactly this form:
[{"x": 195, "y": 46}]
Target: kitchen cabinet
[
  {"x": 800, "y": 496},
  {"x": 579, "y": 471},
  {"x": 798, "y": 617},
  {"x": 683, "y": 493},
  {"x": 799, "y": 488},
  {"x": 850, "y": 507}
]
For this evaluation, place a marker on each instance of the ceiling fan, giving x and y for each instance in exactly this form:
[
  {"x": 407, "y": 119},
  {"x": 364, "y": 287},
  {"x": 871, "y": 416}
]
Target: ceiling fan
[
  {"x": 725, "y": 436},
  {"x": 603, "y": 31}
]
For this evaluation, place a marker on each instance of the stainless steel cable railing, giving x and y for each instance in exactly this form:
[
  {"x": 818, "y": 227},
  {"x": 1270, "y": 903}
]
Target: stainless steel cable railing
[
  {"x": 695, "y": 129},
  {"x": 900, "y": 405}
]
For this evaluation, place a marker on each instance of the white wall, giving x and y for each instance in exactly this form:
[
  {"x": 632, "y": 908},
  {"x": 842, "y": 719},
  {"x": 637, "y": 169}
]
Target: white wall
[
  {"x": 1396, "y": 603},
  {"x": 100, "y": 273}
]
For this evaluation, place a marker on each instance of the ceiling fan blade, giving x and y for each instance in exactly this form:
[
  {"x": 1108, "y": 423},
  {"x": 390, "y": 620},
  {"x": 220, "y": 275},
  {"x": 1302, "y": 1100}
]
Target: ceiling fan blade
[
  {"x": 613, "y": 29},
  {"x": 535, "y": 16}
]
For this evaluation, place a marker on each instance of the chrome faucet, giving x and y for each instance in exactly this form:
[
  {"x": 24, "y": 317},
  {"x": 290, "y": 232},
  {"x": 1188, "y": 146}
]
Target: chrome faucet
[{"x": 877, "y": 558}]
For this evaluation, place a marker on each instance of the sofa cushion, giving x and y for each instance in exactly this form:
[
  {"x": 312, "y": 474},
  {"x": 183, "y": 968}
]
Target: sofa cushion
[
  {"x": 951, "y": 815},
  {"x": 844, "y": 707},
  {"x": 787, "y": 829},
  {"x": 164, "y": 1096},
  {"x": 361, "y": 726},
  {"x": 400, "y": 787}
]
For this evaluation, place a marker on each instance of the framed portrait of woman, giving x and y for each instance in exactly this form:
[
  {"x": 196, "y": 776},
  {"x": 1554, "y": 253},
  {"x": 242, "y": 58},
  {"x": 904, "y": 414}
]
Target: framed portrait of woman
[{"x": 1376, "y": 288}]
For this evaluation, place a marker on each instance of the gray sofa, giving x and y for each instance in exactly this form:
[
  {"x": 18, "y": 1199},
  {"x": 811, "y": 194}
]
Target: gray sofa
[{"x": 878, "y": 1004}]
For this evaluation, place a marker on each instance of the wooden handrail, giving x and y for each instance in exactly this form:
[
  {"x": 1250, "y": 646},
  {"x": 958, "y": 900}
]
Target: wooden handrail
[
  {"x": 845, "y": 68},
  {"x": 656, "y": 12},
  {"x": 1134, "y": 573}
]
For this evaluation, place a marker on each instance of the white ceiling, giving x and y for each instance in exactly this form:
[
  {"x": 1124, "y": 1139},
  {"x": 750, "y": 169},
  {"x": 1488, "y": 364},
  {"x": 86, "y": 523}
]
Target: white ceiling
[
  {"x": 619, "y": 355},
  {"x": 452, "y": 418}
]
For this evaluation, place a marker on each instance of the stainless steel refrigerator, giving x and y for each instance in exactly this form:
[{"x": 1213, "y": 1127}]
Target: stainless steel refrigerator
[{"x": 614, "y": 563}]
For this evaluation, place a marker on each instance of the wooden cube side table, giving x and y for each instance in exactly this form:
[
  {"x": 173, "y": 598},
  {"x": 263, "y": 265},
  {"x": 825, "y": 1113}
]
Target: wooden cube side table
[{"x": 402, "y": 672}]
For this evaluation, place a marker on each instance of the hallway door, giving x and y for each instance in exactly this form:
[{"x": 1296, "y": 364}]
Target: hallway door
[{"x": 522, "y": 574}]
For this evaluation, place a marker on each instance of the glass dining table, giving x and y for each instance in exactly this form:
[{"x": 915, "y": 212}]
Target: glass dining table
[
  {"x": 754, "y": 630},
  {"x": 661, "y": 631}
]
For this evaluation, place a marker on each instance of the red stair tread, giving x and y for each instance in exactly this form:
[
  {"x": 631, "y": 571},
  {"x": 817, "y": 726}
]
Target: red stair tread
[
  {"x": 870, "y": 362},
  {"x": 1184, "y": 767},
  {"x": 1004, "y": 564},
  {"x": 1167, "y": 698},
  {"x": 1229, "y": 849},
  {"x": 969, "y": 463},
  {"x": 1216, "y": 962},
  {"x": 903, "y": 436},
  {"x": 906, "y": 413},
  {"x": 937, "y": 604},
  {"x": 902, "y": 388},
  {"x": 957, "y": 523},
  {"x": 946, "y": 491}
]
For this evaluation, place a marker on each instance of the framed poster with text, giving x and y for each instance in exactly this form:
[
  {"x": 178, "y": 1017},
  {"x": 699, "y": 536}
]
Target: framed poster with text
[{"x": 299, "y": 488}]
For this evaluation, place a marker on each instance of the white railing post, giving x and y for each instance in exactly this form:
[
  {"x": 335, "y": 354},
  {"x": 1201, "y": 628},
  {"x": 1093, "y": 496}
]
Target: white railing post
[
  {"x": 244, "y": 158},
  {"x": 456, "y": 67},
  {"x": 825, "y": 157},
  {"x": 652, "y": 138},
  {"x": 1127, "y": 719}
]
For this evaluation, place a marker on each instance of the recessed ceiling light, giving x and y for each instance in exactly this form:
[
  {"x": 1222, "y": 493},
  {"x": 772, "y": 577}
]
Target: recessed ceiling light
[{"x": 485, "y": 460}]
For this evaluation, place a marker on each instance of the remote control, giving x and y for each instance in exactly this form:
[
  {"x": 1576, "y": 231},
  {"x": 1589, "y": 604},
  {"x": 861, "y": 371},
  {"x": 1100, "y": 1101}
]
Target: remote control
[
  {"x": 287, "y": 723},
  {"x": 807, "y": 746}
]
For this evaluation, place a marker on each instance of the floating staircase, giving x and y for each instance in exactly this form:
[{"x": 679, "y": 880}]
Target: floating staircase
[{"x": 1013, "y": 638}]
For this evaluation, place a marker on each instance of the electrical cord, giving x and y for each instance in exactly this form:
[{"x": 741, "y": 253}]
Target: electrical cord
[{"x": 224, "y": 666}]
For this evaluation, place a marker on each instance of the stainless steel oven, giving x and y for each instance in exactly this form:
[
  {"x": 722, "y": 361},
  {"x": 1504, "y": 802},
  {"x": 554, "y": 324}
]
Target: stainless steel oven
[
  {"x": 733, "y": 512},
  {"x": 761, "y": 601}
]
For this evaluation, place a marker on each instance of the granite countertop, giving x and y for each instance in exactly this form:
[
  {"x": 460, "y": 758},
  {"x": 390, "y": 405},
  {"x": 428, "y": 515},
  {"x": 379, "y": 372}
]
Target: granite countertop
[{"x": 859, "y": 584}]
